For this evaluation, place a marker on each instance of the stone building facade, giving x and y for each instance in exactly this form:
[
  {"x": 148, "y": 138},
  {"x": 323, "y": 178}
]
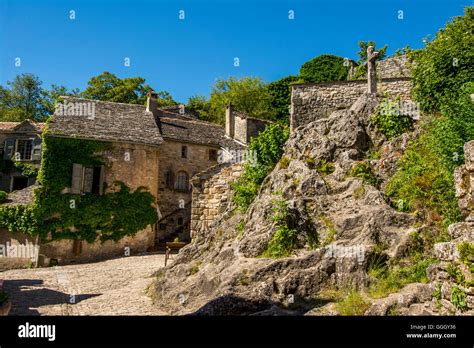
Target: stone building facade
[
  {"x": 158, "y": 149},
  {"x": 22, "y": 142}
]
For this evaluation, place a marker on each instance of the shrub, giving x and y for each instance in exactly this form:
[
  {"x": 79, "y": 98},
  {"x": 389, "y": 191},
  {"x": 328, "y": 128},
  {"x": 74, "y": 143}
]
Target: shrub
[
  {"x": 458, "y": 298},
  {"x": 389, "y": 120},
  {"x": 446, "y": 63},
  {"x": 325, "y": 67},
  {"x": 353, "y": 304},
  {"x": 280, "y": 96},
  {"x": 362, "y": 170},
  {"x": 325, "y": 168},
  {"x": 284, "y": 240},
  {"x": 3, "y": 196},
  {"x": 268, "y": 146},
  {"x": 386, "y": 280},
  {"x": 466, "y": 252},
  {"x": 424, "y": 184}
]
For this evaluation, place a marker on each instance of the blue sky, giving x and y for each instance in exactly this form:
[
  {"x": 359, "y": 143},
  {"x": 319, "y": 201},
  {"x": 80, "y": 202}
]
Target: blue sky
[{"x": 185, "y": 57}]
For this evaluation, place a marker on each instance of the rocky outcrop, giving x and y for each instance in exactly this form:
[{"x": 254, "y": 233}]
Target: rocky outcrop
[
  {"x": 452, "y": 274},
  {"x": 340, "y": 222}
]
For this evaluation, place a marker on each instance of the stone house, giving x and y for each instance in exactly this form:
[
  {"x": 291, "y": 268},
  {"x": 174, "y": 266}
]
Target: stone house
[
  {"x": 20, "y": 141},
  {"x": 156, "y": 148}
]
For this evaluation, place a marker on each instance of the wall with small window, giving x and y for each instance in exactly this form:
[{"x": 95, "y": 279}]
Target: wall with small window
[{"x": 178, "y": 163}]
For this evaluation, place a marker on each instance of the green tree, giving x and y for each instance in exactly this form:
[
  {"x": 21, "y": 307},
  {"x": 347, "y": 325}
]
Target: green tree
[
  {"x": 361, "y": 70},
  {"x": 280, "y": 93},
  {"x": 132, "y": 90},
  {"x": 362, "y": 53},
  {"x": 326, "y": 67},
  {"x": 22, "y": 100},
  {"x": 200, "y": 106},
  {"x": 446, "y": 63},
  {"x": 50, "y": 97},
  {"x": 247, "y": 94}
]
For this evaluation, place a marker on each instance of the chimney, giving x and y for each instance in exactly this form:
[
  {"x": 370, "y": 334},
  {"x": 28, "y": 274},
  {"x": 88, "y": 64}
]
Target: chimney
[
  {"x": 229, "y": 121},
  {"x": 151, "y": 103}
]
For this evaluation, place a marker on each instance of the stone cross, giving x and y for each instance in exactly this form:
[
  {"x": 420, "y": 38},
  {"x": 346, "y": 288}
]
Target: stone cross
[{"x": 371, "y": 75}]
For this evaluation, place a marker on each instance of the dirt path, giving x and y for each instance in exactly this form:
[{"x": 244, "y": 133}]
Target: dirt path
[{"x": 112, "y": 287}]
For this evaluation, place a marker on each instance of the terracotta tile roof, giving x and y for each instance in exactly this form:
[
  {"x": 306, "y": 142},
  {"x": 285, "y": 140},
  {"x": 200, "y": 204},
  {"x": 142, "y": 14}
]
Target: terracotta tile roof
[
  {"x": 10, "y": 126},
  {"x": 111, "y": 122}
]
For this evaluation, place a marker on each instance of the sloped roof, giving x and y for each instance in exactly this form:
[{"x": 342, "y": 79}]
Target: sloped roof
[
  {"x": 12, "y": 126},
  {"x": 107, "y": 121},
  {"x": 21, "y": 197},
  {"x": 186, "y": 129},
  {"x": 132, "y": 123}
]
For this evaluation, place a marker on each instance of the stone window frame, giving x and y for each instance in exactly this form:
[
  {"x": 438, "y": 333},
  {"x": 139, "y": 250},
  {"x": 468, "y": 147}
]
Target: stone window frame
[{"x": 184, "y": 151}]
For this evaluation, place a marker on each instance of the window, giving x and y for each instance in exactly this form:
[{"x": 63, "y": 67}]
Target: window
[
  {"x": 169, "y": 179},
  {"x": 162, "y": 227},
  {"x": 24, "y": 149},
  {"x": 184, "y": 151},
  {"x": 88, "y": 179},
  {"x": 180, "y": 221},
  {"x": 212, "y": 155},
  {"x": 182, "y": 181}
]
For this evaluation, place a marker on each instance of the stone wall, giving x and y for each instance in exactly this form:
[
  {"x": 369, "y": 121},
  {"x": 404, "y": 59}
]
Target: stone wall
[
  {"x": 310, "y": 102},
  {"x": 211, "y": 194},
  {"x": 134, "y": 164},
  {"x": 393, "y": 67},
  {"x": 240, "y": 129}
]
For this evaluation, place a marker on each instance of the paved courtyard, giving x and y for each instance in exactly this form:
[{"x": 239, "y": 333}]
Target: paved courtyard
[{"x": 112, "y": 287}]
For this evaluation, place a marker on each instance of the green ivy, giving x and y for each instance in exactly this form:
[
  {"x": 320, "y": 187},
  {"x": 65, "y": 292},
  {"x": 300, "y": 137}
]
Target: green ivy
[{"x": 55, "y": 215}]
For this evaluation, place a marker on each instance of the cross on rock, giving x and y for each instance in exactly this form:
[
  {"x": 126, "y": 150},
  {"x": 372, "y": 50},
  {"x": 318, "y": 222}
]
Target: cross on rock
[{"x": 371, "y": 75}]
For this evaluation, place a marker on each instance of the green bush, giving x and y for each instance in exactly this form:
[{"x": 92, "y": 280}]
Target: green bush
[
  {"x": 386, "y": 280},
  {"x": 326, "y": 67},
  {"x": 389, "y": 120},
  {"x": 458, "y": 298},
  {"x": 3, "y": 196},
  {"x": 268, "y": 147},
  {"x": 325, "y": 168},
  {"x": 280, "y": 93},
  {"x": 284, "y": 240},
  {"x": 446, "y": 63},
  {"x": 362, "y": 170}
]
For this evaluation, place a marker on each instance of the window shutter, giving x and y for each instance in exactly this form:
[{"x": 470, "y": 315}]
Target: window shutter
[
  {"x": 88, "y": 179},
  {"x": 76, "y": 183},
  {"x": 170, "y": 179},
  {"x": 9, "y": 148},
  {"x": 36, "y": 156}
]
